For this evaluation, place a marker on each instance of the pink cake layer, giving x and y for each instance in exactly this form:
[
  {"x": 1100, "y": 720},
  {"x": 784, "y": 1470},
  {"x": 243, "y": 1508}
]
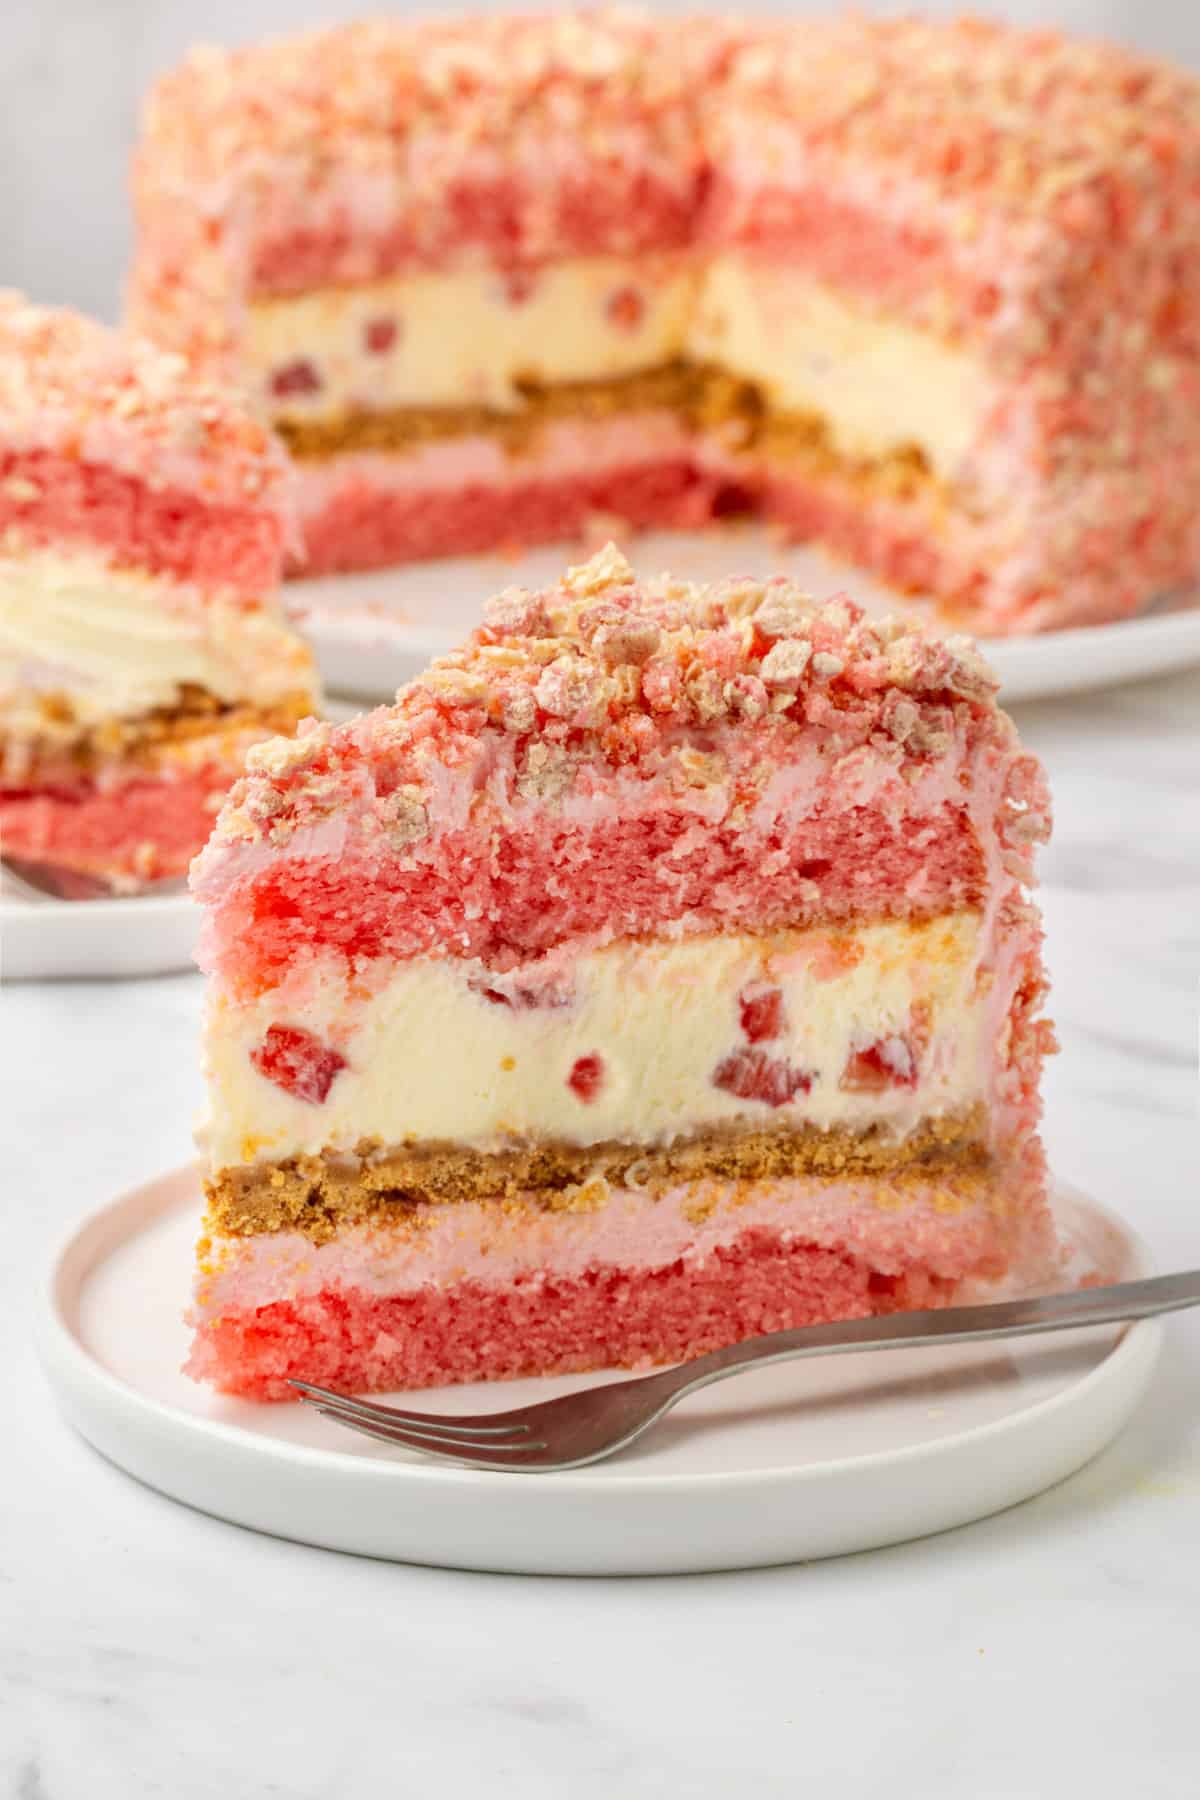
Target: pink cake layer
[
  {"x": 137, "y": 829},
  {"x": 47, "y": 496},
  {"x": 353, "y": 518},
  {"x": 498, "y": 215},
  {"x": 612, "y": 1318},
  {"x": 832, "y": 840},
  {"x": 621, "y": 878},
  {"x": 470, "y": 1299}
]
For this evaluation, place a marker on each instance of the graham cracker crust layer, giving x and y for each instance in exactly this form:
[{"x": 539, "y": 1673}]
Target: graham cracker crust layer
[
  {"x": 318, "y": 1195},
  {"x": 705, "y": 397},
  {"x": 66, "y": 748}
]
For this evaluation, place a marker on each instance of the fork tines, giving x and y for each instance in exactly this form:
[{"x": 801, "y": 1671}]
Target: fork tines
[{"x": 434, "y": 1434}]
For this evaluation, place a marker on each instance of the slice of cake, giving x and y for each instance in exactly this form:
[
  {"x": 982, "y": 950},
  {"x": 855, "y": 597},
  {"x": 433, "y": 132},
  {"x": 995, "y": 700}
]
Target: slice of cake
[
  {"x": 657, "y": 971},
  {"x": 452, "y": 261},
  {"x": 142, "y": 532},
  {"x": 927, "y": 292}
]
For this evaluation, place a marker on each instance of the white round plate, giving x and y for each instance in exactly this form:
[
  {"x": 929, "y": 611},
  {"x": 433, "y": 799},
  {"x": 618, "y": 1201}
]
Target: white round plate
[
  {"x": 781, "y": 1464},
  {"x": 372, "y": 633},
  {"x": 145, "y": 934}
]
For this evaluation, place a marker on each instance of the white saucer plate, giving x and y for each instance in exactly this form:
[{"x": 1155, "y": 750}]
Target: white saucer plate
[
  {"x": 146, "y": 934},
  {"x": 782, "y": 1464},
  {"x": 371, "y": 633}
]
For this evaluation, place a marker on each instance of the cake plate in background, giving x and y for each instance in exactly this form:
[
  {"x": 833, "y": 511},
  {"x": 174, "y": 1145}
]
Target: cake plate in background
[{"x": 373, "y": 632}]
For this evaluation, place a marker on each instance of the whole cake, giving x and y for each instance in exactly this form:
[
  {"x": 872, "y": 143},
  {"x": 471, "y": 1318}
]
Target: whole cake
[
  {"x": 142, "y": 532},
  {"x": 657, "y": 971},
  {"x": 927, "y": 292}
]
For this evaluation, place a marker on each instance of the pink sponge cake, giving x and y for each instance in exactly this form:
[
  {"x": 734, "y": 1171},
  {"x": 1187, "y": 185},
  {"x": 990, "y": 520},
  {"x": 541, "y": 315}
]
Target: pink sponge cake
[
  {"x": 142, "y": 531},
  {"x": 660, "y": 969},
  {"x": 926, "y": 292}
]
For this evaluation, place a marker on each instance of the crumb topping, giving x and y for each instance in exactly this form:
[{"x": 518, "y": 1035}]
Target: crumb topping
[
  {"x": 70, "y": 383},
  {"x": 643, "y": 675},
  {"x": 1017, "y": 117},
  {"x": 963, "y": 99},
  {"x": 360, "y": 89},
  {"x": 1022, "y": 118}
]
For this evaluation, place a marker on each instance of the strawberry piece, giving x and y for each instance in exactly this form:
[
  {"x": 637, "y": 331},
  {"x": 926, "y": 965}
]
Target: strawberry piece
[
  {"x": 519, "y": 285},
  {"x": 297, "y": 1062},
  {"x": 299, "y": 377},
  {"x": 626, "y": 308},
  {"x": 753, "y": 1075},
  {"x": 761, "y": 1011},
  {"x": 885, "y": 1064},
  {"x": 379, "y": 335},
  {"x": 586, "y": 1077},
  {"x": 524, "y": 995},
  {"x": 890, "y": 1062}
]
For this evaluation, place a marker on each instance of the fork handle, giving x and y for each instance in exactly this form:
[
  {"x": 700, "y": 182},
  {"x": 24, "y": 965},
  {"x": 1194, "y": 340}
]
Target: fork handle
[{"x": 1125, "y": 1301}]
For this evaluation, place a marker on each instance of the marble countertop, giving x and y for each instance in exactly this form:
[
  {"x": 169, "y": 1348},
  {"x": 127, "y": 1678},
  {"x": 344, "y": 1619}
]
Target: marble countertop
[{"x": 148, "y": 1650}]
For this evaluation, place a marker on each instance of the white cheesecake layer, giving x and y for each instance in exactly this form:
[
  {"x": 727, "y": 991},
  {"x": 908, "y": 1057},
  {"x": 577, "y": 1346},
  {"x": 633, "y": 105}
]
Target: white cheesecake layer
[
  {"x": 640, "y": 1041},
  {"x": 117, "y": 643},
  {"x": 879, "y": 384},
  {"x": 469, "y": 339},
  {"x": 436, "y": 340}
]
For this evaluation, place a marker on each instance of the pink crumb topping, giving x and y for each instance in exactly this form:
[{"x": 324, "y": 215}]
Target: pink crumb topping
[
  {"x": 634, "y": 753},
  {"x": 72, "y": 387}
]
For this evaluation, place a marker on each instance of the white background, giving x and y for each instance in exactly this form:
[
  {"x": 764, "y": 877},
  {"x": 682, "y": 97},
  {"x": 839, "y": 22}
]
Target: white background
[
  {"x": 148, "y": 1651},
  {"x": 73, "y": 72}
]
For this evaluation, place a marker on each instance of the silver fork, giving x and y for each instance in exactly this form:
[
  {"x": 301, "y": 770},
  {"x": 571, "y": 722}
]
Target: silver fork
[
  {"x": 593, "y": 1422},
  {"x": 41, "y": 881}
]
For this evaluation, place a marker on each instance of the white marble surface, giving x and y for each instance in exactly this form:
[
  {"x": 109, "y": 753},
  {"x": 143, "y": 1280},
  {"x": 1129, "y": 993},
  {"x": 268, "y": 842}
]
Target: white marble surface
[{"x": 147, "y": 1650}]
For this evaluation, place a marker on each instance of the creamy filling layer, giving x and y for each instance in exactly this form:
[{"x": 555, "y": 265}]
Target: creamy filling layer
[
  {"x": 644, "y": 1042},
  {"x": 97, "y": 642},
  {"x": 426, "y": 343},
  {"x": 878, "y": 385},
  {"x": 467, "y": 339}
]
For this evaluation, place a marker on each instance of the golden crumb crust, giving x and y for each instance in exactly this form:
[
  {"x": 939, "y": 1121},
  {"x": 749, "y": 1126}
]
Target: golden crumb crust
[
  {"x": 704, "y": 396},
  {"x": 319, "y": 1195},
  {"x": 68, "y": 748}
]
